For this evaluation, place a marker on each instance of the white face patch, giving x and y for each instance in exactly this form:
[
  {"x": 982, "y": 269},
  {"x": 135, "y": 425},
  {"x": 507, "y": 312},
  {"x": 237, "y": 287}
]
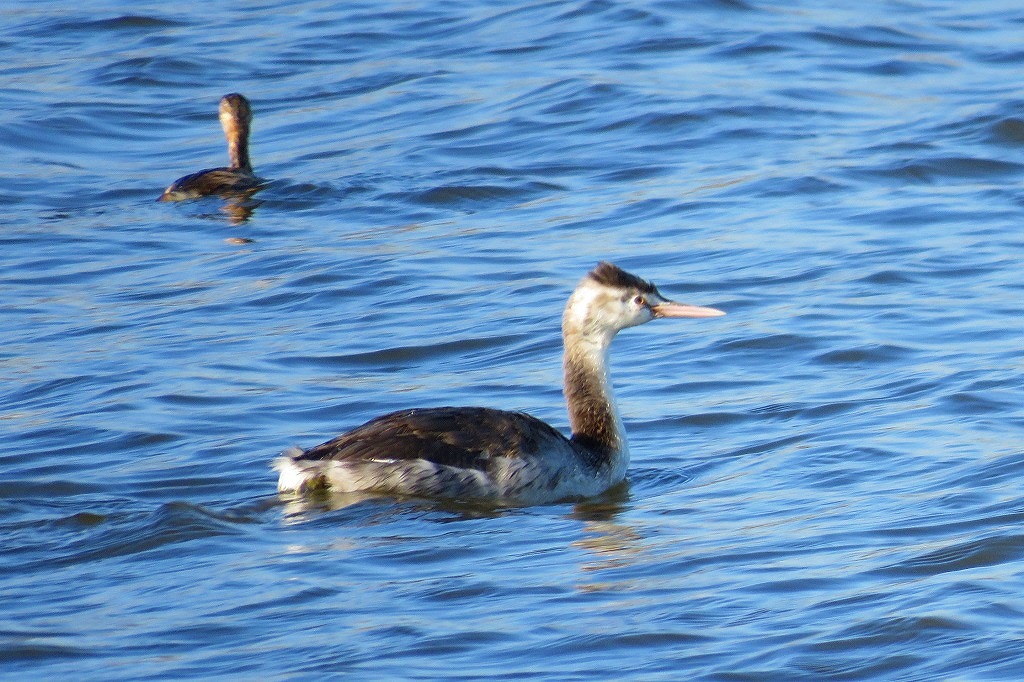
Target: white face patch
[
  {"x": 581, "y": 303},
  {"x": 596, "y": 311}
]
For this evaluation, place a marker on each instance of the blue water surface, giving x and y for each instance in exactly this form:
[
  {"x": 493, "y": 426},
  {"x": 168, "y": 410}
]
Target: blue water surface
[{"x": 825, "y": 483}]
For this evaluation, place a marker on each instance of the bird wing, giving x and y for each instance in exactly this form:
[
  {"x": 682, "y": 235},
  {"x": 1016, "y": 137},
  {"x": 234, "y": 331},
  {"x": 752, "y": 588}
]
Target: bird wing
[{"x": 462, "y": 437}]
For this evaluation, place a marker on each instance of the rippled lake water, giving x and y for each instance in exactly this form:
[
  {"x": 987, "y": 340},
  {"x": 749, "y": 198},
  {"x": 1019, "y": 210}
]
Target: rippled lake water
[{"x": 825, "y": 483}]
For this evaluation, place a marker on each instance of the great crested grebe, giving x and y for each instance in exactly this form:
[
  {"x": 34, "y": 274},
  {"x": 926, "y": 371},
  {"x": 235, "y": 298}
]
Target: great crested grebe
[
  {"x": 238, "y": 178},
  {"x": 478, "y": 453}
]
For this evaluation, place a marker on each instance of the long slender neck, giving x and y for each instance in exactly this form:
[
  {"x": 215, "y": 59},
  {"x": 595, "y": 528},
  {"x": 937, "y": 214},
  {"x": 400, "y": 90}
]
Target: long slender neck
[
  {"x": 596, "y": 425},
  {"x": 237, "y": 132}
]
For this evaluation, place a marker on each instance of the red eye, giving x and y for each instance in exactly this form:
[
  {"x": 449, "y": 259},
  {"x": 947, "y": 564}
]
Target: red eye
[{"x": 639, "y": 300}]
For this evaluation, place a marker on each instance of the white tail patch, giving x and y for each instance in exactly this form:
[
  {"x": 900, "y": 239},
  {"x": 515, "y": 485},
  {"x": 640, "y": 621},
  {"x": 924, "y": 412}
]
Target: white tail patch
[{"x": 294, "y": 476}]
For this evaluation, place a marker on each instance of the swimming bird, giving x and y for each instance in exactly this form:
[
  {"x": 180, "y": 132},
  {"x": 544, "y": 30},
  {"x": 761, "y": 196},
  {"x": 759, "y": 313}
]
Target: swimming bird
[
  {"x": 237, "y": 178},
  {"x": 478, "y": 453}
]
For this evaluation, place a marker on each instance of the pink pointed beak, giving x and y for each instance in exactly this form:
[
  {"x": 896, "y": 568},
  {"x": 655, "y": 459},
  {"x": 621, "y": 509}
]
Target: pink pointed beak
[{"x": 673, "y": 309}]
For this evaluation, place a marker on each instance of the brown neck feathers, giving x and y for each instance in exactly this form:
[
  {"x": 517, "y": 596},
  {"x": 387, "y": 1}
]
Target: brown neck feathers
[{"x": 591, "y": 412}]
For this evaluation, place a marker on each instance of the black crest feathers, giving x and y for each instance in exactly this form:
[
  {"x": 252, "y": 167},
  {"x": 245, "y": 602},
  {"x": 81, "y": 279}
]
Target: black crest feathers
[{"x": 611, "y": 275}]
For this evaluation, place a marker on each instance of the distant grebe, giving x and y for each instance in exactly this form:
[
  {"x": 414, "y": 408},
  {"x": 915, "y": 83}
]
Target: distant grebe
[
  {"x": 477, "y": 453},
  {"x": 238, "y": 178}
]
